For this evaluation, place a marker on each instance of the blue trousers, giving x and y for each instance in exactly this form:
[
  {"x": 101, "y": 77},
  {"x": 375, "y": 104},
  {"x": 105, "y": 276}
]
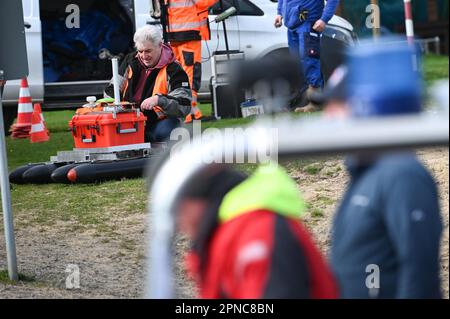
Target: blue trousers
[
  {"x": 160, "y": 130},
  {"x": 304, "y": 43}
]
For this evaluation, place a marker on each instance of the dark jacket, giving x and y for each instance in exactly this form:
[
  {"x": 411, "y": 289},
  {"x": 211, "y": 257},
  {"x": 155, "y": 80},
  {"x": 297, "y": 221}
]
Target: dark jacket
[
  {"x": 388, "y": 220},
  {"x": 177, "y": 103}
]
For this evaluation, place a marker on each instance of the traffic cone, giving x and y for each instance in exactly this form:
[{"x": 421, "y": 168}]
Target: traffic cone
[
  {"x": 38, "y": 132},
  {"x": 22, "y": 127},
  {"x": 38, "y": 108}
]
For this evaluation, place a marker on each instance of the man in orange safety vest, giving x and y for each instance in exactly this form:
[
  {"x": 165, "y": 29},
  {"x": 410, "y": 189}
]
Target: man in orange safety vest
[{"x": 186, "y": 25}]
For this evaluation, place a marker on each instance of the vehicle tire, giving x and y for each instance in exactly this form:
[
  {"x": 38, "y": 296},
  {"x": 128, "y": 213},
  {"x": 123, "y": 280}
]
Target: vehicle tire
[
  {"x": 279, "y": 53},
  {"x": 9, "y": 115}
]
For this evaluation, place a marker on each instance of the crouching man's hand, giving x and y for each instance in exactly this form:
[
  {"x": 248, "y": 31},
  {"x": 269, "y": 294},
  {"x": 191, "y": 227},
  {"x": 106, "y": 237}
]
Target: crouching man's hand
[{"x": 149, "y": 103}]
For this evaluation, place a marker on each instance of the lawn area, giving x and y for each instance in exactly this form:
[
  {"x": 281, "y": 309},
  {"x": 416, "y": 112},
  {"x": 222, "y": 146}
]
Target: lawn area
[
  {"x": 21, "y": 151},
  {"x": 82, "y": 206},
  {"x": 435, "y": 67}
]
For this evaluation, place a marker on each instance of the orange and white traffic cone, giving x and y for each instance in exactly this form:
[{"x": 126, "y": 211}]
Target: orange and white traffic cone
[
  {"x": 38, "y": 108},
  {"x": 39, "y": 132},
  {"x": 22, "y": 127}
]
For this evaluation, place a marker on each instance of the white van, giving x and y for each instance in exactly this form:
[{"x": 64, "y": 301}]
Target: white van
[{"x": 67, "y": 64}]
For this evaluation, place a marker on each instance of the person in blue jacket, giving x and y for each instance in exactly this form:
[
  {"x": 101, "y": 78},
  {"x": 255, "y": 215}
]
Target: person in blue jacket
[
  {"x": 386, "y": 232},
  {"x": 305, "y": 21}
]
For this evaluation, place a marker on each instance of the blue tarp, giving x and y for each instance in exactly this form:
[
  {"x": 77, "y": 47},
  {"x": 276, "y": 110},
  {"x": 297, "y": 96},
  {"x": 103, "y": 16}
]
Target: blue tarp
[{"x": 61, "y": 45}]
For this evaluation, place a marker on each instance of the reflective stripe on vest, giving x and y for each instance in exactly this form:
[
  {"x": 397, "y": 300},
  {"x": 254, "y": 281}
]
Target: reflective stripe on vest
[
  {"x": 182, "y": 16},
  {"x": 181, "y": 4},
  {"x": 187, "y": 25}
]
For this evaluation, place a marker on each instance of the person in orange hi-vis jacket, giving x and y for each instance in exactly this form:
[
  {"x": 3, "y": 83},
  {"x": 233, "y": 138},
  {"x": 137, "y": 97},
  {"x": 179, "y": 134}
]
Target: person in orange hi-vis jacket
[{"x": 186, "y": 24}]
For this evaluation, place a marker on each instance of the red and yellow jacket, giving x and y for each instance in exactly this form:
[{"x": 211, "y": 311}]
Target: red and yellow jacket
[{"x": 260, "y": 249}]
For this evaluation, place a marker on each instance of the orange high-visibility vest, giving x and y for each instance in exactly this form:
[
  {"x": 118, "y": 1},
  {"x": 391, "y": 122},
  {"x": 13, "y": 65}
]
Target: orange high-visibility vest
[
  {"x": 160, "y": 87},
  {"x": 183, "y": 22}
]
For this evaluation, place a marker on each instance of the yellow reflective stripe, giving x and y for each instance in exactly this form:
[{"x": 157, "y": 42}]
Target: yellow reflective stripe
[
  {"x": 187, "y": 25},
  {"x": 181, "y": 4}
]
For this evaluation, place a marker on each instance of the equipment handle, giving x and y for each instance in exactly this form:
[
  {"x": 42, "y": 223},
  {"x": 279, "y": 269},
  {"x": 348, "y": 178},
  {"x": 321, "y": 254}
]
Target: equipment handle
[
  {"x": 128, "y": 130},
  {"x": 226, "y": 14}
]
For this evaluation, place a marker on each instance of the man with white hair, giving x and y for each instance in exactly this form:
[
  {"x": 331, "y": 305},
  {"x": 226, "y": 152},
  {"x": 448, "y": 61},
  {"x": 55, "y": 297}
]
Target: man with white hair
[{"x": 153, "y": 79}]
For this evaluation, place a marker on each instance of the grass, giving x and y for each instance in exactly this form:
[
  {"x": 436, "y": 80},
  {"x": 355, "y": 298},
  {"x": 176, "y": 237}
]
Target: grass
[
  {"x": 98, "y": 206},
  {"x": 127, "y": 244},
  {"x": 4, "y": 278},
  {"x": 324, "y": 200},
  {"x": 332, "y": 171},
  {"x": 83, "y": 206},
  {"x": 57, "y": 121},
  {"x": 313, "y": 169},
  {"x": 435, "y": 67},
  {"x": 317, "y": 213},
  {"x": 22, "y": 152}
]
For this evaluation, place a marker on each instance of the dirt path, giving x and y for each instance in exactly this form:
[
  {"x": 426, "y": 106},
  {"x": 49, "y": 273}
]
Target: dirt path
[{"x": 111, "y": 265}]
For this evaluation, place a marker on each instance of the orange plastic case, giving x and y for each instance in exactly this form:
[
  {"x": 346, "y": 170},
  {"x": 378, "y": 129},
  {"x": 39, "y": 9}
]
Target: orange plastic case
[{"x": 106, "y": 129}]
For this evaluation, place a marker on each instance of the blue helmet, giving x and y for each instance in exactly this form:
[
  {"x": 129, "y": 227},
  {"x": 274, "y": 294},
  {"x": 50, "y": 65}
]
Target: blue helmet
[{"x": 384, "y": 79}]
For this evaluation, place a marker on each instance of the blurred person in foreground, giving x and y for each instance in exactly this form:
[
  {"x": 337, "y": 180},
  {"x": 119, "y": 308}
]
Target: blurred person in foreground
[
  {"x": 386, "y": 232},
  {"x": 247, "y": 238}
]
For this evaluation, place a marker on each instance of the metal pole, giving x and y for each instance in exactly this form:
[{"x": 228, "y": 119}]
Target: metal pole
[
  {"x": 6, "y": 200},
  {"x": 409, "y": 22},
  {"x": 227, "y": 48},
  {"x": 115, "y": 71},
  {"x": 437, "y": 45}
]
